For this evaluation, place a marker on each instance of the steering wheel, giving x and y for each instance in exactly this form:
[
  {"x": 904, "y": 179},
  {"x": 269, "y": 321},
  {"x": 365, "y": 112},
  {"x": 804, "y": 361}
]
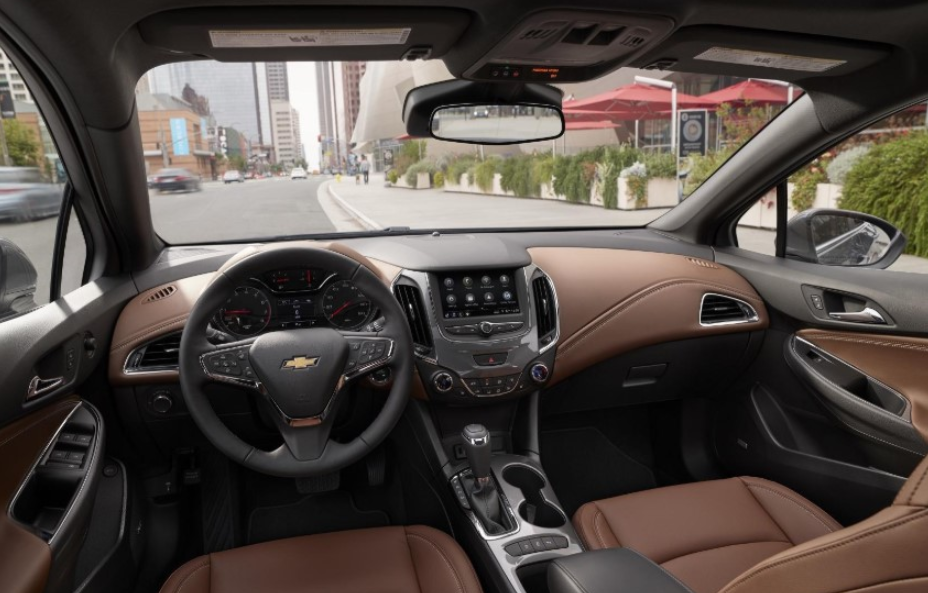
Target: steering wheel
[{"x": 299, "y": 374}]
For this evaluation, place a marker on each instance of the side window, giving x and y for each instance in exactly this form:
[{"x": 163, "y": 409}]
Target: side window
[
  {"x": 32, "y": 184},
  {"x": 875, "y": 185}
]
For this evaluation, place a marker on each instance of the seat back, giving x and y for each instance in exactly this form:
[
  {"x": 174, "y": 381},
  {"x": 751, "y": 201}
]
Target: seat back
[{"x": 887, "y": 553}]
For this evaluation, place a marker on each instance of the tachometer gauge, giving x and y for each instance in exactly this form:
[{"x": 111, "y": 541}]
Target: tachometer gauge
[
  {"x": 345, "y": 306},
  {"x": 247, "y": 312}
]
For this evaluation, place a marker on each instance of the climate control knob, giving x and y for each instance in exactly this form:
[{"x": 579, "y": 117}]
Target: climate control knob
[
  {"x": 443, "y": 382},
  {"x": 539, "y": 372}
]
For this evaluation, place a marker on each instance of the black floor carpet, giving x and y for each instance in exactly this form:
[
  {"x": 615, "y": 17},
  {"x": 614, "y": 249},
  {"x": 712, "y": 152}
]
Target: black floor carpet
[
  {"x": 315, "y": 513},
  {"x": 594, "y": 455}
]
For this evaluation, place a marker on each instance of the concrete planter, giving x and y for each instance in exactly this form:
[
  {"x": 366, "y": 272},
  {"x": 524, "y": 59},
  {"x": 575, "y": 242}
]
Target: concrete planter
[
  {"x": 423, "y": 181},
  {"x": 662, "y": 193}
]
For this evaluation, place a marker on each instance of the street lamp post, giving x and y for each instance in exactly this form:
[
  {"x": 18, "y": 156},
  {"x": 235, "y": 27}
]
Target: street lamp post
[{"x": 668, "y": 84}]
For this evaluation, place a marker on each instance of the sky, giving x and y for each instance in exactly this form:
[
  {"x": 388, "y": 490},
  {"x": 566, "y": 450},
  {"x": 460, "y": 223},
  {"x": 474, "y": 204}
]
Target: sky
[{"x": 302, "y": 76}]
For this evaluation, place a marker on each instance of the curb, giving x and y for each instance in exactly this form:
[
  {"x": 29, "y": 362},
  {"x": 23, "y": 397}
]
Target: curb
[{"x": 365, "y": 221}]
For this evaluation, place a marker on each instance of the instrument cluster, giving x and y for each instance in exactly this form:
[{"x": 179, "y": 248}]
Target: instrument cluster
[{"x": 294, "y": 298}]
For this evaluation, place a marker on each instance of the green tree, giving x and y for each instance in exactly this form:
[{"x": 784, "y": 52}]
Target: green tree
[
  {"x": 21, "y": 143},
  {"x": 237, "y": 162}
]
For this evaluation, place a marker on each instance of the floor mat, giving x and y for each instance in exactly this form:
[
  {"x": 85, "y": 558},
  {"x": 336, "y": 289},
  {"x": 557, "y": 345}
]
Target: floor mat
[
  {"x": 316, "y": 513},
  {"x": 584, "y": 465}
]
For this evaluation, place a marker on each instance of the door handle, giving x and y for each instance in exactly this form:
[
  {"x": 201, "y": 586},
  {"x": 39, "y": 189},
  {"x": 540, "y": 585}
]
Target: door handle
[
  {"x": 39, "y": 386},
  {"x": 868, "y": 315}
]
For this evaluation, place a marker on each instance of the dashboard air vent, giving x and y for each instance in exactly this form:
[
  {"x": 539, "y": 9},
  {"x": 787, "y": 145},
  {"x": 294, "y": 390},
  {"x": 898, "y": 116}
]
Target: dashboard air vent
[
  {"x": 157, "y": 355},
  {"x": 410, "y": 299},
  {"x": 160, "y": 294},
  {"x": 717, "y": 309},
  {"x": 545, "y": 314}
]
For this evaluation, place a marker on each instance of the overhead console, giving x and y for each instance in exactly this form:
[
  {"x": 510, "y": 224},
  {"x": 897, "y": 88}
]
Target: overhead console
[{"x": 569, "y": 46}]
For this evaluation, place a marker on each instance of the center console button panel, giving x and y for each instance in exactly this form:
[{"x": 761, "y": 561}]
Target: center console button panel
[{"x": 538, "y": 543}]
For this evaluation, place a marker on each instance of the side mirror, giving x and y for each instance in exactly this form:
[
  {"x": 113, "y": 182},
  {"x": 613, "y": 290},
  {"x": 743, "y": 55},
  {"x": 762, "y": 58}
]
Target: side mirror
[
  {"x": 843, "y": 238},
  {"x": 484, "y": 113},
  {"x": 17, "y": 280}
]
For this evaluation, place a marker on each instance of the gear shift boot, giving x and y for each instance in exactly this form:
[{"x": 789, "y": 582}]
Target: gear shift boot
[{"x": 479, "y": 485}]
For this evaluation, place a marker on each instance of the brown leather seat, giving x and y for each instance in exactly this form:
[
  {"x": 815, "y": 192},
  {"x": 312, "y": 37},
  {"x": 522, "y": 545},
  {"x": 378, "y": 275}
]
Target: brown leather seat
[
  {"x": 746, "y": 535},
  {"x": 383, "y": 560},
  {"x": 705, "y": 533}
]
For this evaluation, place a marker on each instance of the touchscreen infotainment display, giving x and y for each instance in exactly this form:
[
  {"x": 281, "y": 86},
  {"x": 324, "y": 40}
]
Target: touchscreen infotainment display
[{"x": 479, "y": 293}]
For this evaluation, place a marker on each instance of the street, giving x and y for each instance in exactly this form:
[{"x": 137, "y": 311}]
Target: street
[{"x": 250, "y": 210}]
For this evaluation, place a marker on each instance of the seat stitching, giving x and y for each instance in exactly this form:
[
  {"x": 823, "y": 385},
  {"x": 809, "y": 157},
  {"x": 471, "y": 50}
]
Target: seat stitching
[
  {"x": 180, "y": 586},
  {"x": 766, "y": 541},
  {"x": 599, "y": 515},
  {"x": 917, "y": 486},
  {"x": 448, "y": 563},
  {"x": 898, "y": 523},
  {"x": 830, "y": 528},
  {"x": 883, "y": 343},
  {"x": 661, "y": 566}
]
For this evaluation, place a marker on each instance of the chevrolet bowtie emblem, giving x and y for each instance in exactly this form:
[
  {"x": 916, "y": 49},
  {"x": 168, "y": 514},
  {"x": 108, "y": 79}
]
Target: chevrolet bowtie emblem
[{"x": 300, "y": 362}]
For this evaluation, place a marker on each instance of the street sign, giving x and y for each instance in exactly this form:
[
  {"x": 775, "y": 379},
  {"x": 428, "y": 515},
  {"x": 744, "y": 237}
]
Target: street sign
[
  {"x": 223, "y": 142},
  {"x": 7, "y": 107},
  {"x": 693, "y": 130}
]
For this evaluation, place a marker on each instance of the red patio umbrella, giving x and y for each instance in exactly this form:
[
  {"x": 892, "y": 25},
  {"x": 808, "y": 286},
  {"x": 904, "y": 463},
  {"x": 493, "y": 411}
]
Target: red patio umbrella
[
  {"x": 757, "y": 92},
  {"x": 638, "y": 100}
]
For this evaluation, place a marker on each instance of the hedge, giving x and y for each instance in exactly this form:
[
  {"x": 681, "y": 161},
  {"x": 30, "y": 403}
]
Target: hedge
[{"x": 891, "y": 182}]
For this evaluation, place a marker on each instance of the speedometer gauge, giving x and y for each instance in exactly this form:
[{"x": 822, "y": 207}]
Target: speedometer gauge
[
  {"x": 345, "y": 306},
  {"x": 247, "y": 312}
]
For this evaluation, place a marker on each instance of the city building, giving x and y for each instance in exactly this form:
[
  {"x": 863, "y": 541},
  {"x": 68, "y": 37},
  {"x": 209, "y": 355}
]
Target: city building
[
  {"x": 174, "y": 135},
  {"x": 232, "y": 92},
  {"x": 9, "y": 73},
  {"x": 278, "y": 83},
  {"x": 351, "y": 83},
  {"x": 285, "y": 126},
  {"x": 325, "y": 99}
]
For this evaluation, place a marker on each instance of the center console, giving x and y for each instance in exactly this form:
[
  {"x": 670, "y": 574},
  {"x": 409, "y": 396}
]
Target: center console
[{"x": 481, "y": 333}]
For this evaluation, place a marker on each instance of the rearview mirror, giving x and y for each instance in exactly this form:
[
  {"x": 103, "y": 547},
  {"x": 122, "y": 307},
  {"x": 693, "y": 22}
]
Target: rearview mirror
[
  {"x": 496, "y": 124},
  {"x": 484, "y": 112},
  {"x": 17, "y": 280},
  {"x": 842, "y": 238}
]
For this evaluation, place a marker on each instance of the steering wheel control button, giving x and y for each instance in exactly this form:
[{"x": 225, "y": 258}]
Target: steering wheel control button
[
  {"x": 539, "y": 372},
  {"x": 443, "y": 382},
  {"x": 490, "y": 360}
]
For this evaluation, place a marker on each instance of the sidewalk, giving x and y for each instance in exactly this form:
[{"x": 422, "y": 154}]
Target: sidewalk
[{"x": 375, "y": 206}]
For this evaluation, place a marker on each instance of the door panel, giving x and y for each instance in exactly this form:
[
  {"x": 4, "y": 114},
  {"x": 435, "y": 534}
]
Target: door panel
[
  {"x": 26, "y": 561},
  {"x": 830, "y": 408}
]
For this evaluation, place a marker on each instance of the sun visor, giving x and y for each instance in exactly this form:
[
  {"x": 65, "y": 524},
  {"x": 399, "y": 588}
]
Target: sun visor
[
  {"x": 751, "y": 53},
  {"x": 294, "y": 34}
]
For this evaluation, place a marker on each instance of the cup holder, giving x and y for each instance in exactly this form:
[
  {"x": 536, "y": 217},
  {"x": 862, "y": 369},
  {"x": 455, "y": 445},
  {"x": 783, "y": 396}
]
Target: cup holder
[{"x": 534, "y": 509}]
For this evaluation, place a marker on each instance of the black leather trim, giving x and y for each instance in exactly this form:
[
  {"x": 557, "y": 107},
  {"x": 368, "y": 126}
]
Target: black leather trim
[{"x": 615, "y": 570}]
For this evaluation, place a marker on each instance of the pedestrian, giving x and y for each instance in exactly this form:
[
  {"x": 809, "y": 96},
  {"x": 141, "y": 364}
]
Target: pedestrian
[{"x": 365, "y": 169}]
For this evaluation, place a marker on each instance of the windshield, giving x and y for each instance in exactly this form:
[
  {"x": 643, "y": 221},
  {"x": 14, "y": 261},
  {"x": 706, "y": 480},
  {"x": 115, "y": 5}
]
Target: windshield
[{"x": 322, "y": 148}]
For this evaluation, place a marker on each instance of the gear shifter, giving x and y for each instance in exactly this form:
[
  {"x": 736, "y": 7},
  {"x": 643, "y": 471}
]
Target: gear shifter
[
  {"x": 477, "y": 447},
  {"x": 480, "y": 489}
]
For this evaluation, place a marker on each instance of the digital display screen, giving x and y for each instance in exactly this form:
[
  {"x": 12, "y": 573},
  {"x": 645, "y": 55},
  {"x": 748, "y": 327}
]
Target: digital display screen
[
  {"x": 478, "y": 294},
  {"x": 293, "y": 279}
]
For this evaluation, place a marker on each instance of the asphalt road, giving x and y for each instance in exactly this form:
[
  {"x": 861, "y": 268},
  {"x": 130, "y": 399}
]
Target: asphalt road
[{"x": 250, "y": 210}]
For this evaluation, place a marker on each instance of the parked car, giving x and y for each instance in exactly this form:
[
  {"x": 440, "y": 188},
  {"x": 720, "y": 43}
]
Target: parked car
[
  {"x": 252, "y": 175},
  {"x": 233, "y": 177},
  {"x": 298, "y": 173},
  {"x": 481, "y": 113},
  {"x": 176, "y": 180},
  {"x": 25, "y": 196}
]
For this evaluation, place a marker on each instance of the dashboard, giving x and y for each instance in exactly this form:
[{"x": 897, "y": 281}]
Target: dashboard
[{"x": 293, "y": 298}]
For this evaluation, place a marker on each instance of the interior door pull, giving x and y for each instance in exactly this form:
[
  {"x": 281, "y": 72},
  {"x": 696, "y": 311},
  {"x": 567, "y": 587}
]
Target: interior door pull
[
  {"x": 39, "y": 386},
  {"x": 868, "y": 315}
]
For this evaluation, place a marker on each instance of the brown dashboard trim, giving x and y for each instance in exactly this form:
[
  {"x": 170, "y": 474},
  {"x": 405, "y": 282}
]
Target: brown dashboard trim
[
  {"x": 614, "y": 301},
  {"x": 899, "y": 362},
  {"x": 26, "y": 559},
  {"x": 143, "y": 320}
]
